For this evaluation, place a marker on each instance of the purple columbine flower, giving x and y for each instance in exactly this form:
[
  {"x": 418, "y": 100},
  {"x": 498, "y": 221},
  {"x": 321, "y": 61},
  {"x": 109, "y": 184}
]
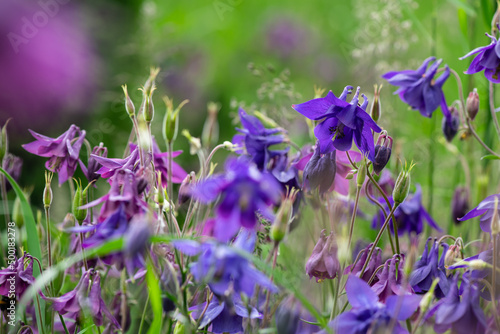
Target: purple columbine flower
[
  {"x": 93, "y": 165},
  {"x": 63, "y": 152},
  {"x": 223, "y": 267},
  {"x": 342, "y": 121},
  {"x": 123, "y": 192},
  {"x": 487, "y": 59},
  {"x": 429, "y": 267},
  {"x": 255, "y": 140},
  {"x": 244, "y": 191},
  {"x": 485, "y": 209},
  {"x": 461, "y": 313},
  {"x": 12, "y": 165},
  {"x": 410, "y": 215},
  {"x": 390, "y": 280},
  {"x": 420, "y": 89},
  {"x": 323, "y": 263},
  {"x": 82, "y": 296},
  {"x": 459, "y": 204},
  {"x": 369, "y": 315},
  {"x": 450, "y": 124},
  {"x": 21, "y": 273},
  {"x": 225, "y": 315},
  {"x": 375, "y": 262}
]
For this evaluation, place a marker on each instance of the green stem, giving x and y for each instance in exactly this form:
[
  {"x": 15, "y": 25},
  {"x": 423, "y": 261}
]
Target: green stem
[
  {"x": 143, "y": 314},
  {"x": 353, "y": 217}
]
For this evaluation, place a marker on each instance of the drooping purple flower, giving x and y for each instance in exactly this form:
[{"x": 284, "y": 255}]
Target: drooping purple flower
[
  {"x": 369, "y": 315},
  {"x": 419, "y": 89},
  {"x": 461, "y": 313},
  {"x": 375, "y": 262},
  {"x": 123, "y": 192},
  {"x": 63, "y": 151},
  {"x": 244, "y": 191},
  {"x": 383, "y": 150},
  {"x": 223, "y": 267},
  {"x": 485, "y": 209},
  {"x": 323, "y": 262},
  {"x": 18, "y": 274},
  {"x": 319, "y": 172},
  {"x": 429, "y": 267},
  {"x": 410, "y": 215},
  {"x": 225, "y": 315},
  {"x": 12, "y": 165},
  {"x": 390, "y": 280},
  {"x": 487, "y": 60},
  {"x": 255, "y": 140},
  {"x": 342, "y": 121},
  {"x": 450, "y": 124},
  {"x": 459, "y": 204},
  {"x": 83, "y": 296}
]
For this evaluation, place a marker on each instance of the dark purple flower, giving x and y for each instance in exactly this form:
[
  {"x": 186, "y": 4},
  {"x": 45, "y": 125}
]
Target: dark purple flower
[
  {"x": 451, "y": 124},
  {"x": 459, "y": 204},
  {"x": 255, "y": 140},
  {"x": 123, "y": 192},
  {"x": 225, "y": 315},
  {"x": 244, "y": 191},
  {"x": 420, "y": 89},
  {"x": 71, "y": 304},
  {"x": 18, "y": 274},
  {"x": 369, "y": 315},
  {"x": 223, "y": 267},
  {"x": 375, "y": 262},
  {"x": 485, "y": 209},
  {"x": 487, "y": 59},
  {"x": 461, "y": 313},
  {"x": 341, "y": 122},
  {"x": 12, "y": 165},
  {"x": 390, "y": 280},
  {"x": 383, "y": 150},
  {"x": 63, "y": 151},
  {"x": 323, "y": 262},
  {"x": 319, "y": 172},
  {"x": 410, "y": 215},
  {"x": 429, "y": 267}
]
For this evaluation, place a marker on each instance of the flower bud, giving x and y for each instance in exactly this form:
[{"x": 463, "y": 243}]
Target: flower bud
[
  {"x": 47, "y": 191},
  {"x": 459, "y": 204},
  {"x": 171, "y": 121},
  {"x": 361, "y": 175},
  {"x": 426, "y": 301},
  {"x": 451, "y": 124},
  {"x": 184, "y": 194},
  {"x": 376, "y": 108},
  {"x": 477, "y": 264},
  {"x": 160, "y": 193},
  {"x": 13, "y": 166},
  {"x": 79, "y": 200},
  {"x": 194, "y": 143},
  {"x": 283, "y": 217},
  {"x": 383, "y": 150},
  {"x": 17, "y": 213},
  {"x": 287, "y": 316},
  {"x": 402, "y": 186},
  {"x": 323, "y": 262},
  {"x": 472, "y": 104},
  {"x": 4, "y": 141},
  {"x": 129, "y": 105},
  {"x": 452, "y": 255},
  {"x": 210, "y": 134},
  {"x": 149, "y": 110},
  {"x": 320, "y": 171}
]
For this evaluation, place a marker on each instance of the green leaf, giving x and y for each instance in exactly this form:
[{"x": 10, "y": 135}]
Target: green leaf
[
  {"x": 32, "y": 237},
  {"x": 464, "y": 6},
  {"x": 490, "y": 157},
  {"x": 462, "y": 21},
  {"x": 155, "y": 299},
  {"x": 29, "y": 223}
]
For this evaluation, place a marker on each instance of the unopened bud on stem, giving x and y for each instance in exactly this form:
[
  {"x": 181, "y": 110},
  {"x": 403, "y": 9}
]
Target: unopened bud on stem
[
  {"x": 47, "y": 191},
  {"x": 402, "y": 186},
  {"x": 472, "y": 104}
]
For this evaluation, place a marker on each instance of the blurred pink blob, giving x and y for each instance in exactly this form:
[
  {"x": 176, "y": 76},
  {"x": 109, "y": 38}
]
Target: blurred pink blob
[{"x": 46, "y": 61}]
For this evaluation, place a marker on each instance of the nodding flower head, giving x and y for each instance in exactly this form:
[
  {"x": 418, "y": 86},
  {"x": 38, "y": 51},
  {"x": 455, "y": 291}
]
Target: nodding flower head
[
  {"x": 383, "y": 150},
  {"x": 323, "y": 263},
  {"x": 319, "y": 172}
]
